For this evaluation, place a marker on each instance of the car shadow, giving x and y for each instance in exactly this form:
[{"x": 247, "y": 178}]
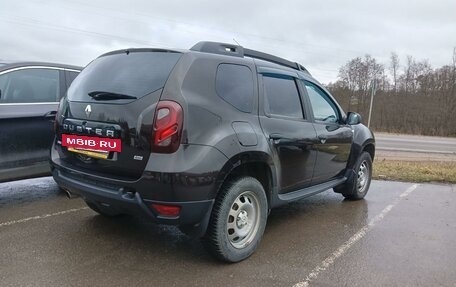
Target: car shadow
[
  {"x": 299, "y": 221},
  {"x": 151, "y": 239}
]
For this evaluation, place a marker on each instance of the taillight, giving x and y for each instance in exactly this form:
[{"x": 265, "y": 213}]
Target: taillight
[
  {"x": 166, "y": 210},
  {"x": 167, "y": 130}
]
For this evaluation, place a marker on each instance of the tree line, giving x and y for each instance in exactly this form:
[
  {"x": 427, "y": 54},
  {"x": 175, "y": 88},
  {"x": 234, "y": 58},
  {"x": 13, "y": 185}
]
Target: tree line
[{"x": 411, "y": 97}]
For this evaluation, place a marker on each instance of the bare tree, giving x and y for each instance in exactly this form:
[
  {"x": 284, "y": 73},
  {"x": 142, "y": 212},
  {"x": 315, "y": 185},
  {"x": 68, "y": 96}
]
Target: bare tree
[
  {"x": 452, "y": 95},
  {"x": 407, "y": 77},
  {"x": 357, "y": 75},
  {"x": 394, "y": 68},
  {"x": 419, "y": 99}
]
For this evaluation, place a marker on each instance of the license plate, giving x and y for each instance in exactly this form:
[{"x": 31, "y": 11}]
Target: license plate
[
  {"x": 94, "y": 144},
  {"x": 91, "y": 153}
]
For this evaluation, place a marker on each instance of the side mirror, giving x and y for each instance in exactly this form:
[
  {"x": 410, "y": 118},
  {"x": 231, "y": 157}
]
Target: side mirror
[{"x": 353, "y": 118}]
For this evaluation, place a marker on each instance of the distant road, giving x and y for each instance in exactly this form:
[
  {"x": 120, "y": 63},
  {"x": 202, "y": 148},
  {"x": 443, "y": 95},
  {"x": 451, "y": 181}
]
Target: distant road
[{"x": 415, "y": 144}]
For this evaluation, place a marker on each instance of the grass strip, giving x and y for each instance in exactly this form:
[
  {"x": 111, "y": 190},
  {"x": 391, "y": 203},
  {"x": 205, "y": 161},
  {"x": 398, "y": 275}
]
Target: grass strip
[{"x": 415, "y": 171}]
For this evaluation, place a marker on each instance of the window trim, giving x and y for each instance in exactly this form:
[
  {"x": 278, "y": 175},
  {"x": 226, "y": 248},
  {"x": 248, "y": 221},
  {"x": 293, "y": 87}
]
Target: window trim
[
  {"x": 304, "y": 117},
  {"x": 24, "y": 104},
  {"x": 38, "y": 67}
]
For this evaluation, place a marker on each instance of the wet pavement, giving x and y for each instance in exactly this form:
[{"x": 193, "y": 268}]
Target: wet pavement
[{"x": 401, "y": 235}]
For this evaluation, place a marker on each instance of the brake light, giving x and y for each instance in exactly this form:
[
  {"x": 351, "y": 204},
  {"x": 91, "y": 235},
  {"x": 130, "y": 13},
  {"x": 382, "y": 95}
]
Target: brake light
[
  {"x": 167, "y": 129},
  {"x": 166, "y": 210}
]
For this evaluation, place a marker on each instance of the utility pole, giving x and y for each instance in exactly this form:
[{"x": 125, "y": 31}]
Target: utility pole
[{"x": 374, "y": 86}]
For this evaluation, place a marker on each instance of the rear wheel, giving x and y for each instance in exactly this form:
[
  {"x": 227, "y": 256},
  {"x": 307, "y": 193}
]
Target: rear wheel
[
  {"x": 357, "y": 187},
  {"x": 237, "y": 221}
]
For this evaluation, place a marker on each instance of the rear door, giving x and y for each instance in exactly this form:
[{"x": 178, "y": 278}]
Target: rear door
[
  {"x": 286, "y": 125},
  {"x": 334, "y": 136},
  {"x": 114, "y": 100},
  {"x": 28, "y": 103}
]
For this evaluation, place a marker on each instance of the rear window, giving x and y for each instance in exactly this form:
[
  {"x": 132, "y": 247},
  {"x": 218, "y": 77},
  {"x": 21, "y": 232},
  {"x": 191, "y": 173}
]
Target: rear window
[{"x": 135, "y": 74}]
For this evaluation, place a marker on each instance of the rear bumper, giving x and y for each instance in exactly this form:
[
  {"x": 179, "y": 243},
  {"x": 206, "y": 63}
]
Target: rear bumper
[{"x": 194, "y": 215}]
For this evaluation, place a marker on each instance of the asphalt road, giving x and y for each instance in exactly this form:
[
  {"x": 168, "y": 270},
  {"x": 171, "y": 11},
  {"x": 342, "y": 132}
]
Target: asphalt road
[
  {"x": 402, "y": 234},
  {"x": 413, "y": 143}
]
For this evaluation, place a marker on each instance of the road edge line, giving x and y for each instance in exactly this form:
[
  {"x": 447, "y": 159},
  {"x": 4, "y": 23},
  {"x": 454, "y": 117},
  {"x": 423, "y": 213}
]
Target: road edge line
[{"x": 12, "y": 222}]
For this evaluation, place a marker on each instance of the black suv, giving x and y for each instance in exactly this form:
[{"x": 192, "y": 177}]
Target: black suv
[
  {"x": 29, "y": 96},
  {"x": 209, "y": 139}
]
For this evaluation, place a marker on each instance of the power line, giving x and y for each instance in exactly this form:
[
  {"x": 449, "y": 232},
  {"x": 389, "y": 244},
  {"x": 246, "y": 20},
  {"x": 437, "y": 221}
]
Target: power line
[
  {"x": 31, "y": 22},
  {"x": 299, "y": 45},
  {"x": 110, "y": 36}
]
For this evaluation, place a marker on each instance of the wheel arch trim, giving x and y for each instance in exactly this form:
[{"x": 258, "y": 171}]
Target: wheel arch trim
[{"x": 246, "y": 158}]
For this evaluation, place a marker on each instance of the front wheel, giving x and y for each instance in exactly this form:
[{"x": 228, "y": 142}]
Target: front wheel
[
  {"x": 357, "y": 187},
  {"x": 238, "y": 220}
]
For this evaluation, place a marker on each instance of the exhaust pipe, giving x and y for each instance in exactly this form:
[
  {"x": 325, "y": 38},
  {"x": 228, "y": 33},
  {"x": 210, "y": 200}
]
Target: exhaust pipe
[{"x": 69, "y": 194}]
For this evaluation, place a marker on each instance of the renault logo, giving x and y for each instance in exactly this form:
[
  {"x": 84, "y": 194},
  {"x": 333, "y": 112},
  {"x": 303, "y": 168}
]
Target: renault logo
[{"x": 88, "y": 110}]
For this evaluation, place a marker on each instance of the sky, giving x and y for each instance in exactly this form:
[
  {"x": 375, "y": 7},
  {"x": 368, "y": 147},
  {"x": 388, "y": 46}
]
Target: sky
[{"x": 321, "y": 35}]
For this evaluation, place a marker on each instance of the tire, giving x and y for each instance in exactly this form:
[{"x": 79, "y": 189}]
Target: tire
[
  {"x": 238, "y": 220},
  {"x": 102, "y": 211},
  {"x": 357, "y": 187}
]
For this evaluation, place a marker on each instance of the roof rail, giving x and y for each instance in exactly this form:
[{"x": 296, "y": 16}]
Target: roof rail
[{"x": 239, "y": 51}]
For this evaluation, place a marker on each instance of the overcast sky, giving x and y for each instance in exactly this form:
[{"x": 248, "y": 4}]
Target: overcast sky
[{"x": 321, "y": 35}]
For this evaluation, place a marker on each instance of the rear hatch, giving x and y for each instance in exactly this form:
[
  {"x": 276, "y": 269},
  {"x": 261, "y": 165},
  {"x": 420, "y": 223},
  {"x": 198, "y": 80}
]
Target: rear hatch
[{"x": 110, "y": 110}]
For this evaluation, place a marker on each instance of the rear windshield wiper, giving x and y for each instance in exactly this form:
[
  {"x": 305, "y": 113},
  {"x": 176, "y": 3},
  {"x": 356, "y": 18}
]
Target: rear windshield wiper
[{"x": 100, "y": 96}]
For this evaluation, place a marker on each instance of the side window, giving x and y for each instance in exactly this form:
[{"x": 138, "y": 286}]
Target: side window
[
  {"x": 323, "y": 108},
  {"x": 234, "y": 84},
  {"x": 30, "y": 86},
  {"x": 282, "y": 97}
]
